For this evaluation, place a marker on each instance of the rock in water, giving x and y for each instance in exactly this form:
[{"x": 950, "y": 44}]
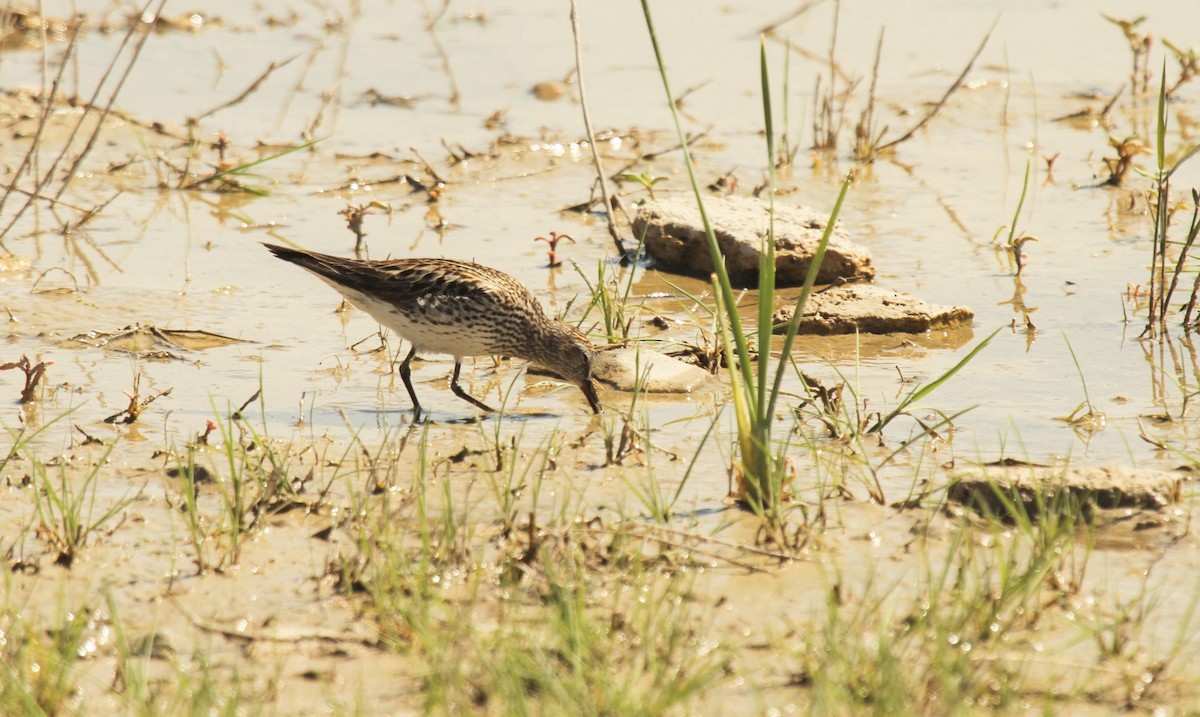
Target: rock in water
[
  {"x": 620, "y": 367},
  {"x": 870, "y": 309},
  {"x": 996, "y": 490},
  {"x": 675, "y": 238}
]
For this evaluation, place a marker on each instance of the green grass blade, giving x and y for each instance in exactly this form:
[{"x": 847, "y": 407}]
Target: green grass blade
[
  {"x": 925, "y": 389},
  {"x": 1012, "y": 227},
  {"x": 724, "y": 287},
  {"x": 1161, "y": 124},
  {"x": 247, "y": 166},
  {"x": 766, "y": 261},
  {"x": 809, "y": 280}
]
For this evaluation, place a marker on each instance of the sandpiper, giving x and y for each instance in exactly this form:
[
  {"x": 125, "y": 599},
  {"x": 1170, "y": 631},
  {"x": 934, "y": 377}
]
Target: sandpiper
[{"x": 459, "y": 308}]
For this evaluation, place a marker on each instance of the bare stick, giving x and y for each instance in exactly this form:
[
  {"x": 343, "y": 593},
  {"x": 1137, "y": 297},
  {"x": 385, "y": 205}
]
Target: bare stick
[
  {"x": 297, "y": 635},
  {"x": 431, "y": 28},
  {"x": 47, "y": 108},
  {"x": 864, "y": 143},
  {"x": 137, "y": 51},
  {"x": 1108, "y": 107},
  {"x": 692, "y": 139},
  {"x": 957, "y": 83},
  {"x": 771, "y": 27},
  {"x": 248, "y": 91},
  {"x": 428, "y": 167},
  {"x": 807, "y": 54},
  {"x": 46, "y": 198},
  {"x": 30, "y": 156},
  {"x": 587, "y": 124}
]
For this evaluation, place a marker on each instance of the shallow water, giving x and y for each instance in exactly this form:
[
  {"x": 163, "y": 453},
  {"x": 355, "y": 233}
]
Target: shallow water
[{"x": 929, "y": 214}]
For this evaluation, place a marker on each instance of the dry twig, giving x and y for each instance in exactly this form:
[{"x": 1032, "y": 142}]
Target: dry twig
[
  {"x": 591, "y": 134},
  {"x": 246, "y": 92},
  {"x": 942, "y": 102}
]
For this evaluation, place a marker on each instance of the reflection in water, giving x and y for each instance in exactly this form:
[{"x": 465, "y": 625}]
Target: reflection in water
[
  {"x": 1170, "y": 364},
  {"x": 1023, "y": 311}
]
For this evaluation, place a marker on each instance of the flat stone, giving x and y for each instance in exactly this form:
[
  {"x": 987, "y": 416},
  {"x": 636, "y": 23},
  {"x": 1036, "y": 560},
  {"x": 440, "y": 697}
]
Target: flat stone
[
  {"x": 675, "y": 239},
  {"x": 870, "y": 309},
  {"x": 1104, "y": 487},
  {"x": 620, "y": 367}
]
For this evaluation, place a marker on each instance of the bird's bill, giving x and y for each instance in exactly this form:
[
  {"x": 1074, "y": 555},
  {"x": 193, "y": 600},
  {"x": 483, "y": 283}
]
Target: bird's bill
[{"x": 589, "y": 392}]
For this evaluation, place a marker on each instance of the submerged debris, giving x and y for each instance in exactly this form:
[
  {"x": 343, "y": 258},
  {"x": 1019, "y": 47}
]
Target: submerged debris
[
  {"x": 137, "y": 404},
  {"x": 1000, "y": 492},
  {"x": 150, "y": 342},
  {"x": 33, "y": 375}
]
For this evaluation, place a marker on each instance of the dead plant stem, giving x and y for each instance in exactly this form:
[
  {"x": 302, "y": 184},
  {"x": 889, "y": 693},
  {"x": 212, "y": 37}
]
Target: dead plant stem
[
  {"x": 772, "y": 26},
  {"x": 31, "y": 156},
  {"x": 865, "y": 141},
  {"x": 942, "y": 102},
  {"x": 431, "y": 28},
  {"x": 248, "y": 91},
  {"x": 591, "y": 134},
  {"x": 112, "y": 98}
]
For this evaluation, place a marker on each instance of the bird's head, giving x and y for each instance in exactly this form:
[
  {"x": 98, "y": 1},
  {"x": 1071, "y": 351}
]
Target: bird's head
[{"x": 568, "y": 353}]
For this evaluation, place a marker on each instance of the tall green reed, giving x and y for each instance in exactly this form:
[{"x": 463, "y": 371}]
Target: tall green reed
[
  {"x": 1164, "y": 279},
  {"x": 756, "y": 390}
]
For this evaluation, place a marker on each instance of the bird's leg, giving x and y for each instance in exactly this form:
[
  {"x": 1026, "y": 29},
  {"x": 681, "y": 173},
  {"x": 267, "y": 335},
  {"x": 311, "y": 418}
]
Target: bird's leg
[
  {"x": 406, "y": 377},
  {"x": 463, "y": 394}
]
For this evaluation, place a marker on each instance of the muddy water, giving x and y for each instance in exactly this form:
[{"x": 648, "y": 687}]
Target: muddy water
[
  {"x": 178, "y": 259},
  {"x": 191, "y": 260}
]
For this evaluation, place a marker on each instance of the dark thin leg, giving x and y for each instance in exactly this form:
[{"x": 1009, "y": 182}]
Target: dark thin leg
[
  {"x": 406, "y": 376},
  {"x": 463, "y": 394}
]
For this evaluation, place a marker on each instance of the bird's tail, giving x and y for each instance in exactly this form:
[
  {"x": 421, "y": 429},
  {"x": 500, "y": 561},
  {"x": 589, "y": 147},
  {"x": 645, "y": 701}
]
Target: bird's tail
[{"x": 323, "y": 265}]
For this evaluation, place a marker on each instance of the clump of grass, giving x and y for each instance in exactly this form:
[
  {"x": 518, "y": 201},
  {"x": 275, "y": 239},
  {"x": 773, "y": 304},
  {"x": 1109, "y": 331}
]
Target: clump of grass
[
  {"x": 627, "y": 653},
  {"x": 230, "y": 177},
  {"x": 37, "y": 666},
  {"x": 1164, "y": 277},
  {"x": 611, "y": 296},
  {"x": 520, "y": 606},
  {"x": 655, "y": 498},
  {"x": 948, "y": 639},
  {"x": 254, "y": 486},
  {"x": 760, "y": 465},
  {"x": 759, "y": 468},
  {"x": 624, "y": 437},
  {"x": 67, "y": 514}
]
